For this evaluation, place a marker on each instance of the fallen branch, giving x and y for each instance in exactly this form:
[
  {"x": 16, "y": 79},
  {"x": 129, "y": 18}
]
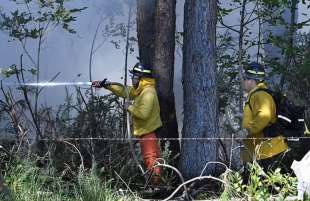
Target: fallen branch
[
  {"x": 81, "y": 157},
  {"x": 178, "y": 172},
  {"x": 191, "y": 180},
  {"x": 127, "y": 186}
]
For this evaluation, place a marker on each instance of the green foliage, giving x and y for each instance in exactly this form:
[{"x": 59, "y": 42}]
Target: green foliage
[
  {"x": 100, "y": 118},
  {"x": 61, "y": 171},
  {"x": 235, "y": 186},
  {"x": 295, "y": 69},
  {"x": 8, "y": 72},
  {"x": 227, "y": 73},
  {"x": 13, "y": 71},
  {"x": 33, "y": 23},
  {"x": 261, "y": 186},
  {"x": 257, "y": 188},
  {"x": 168, "y": 176},
  {"x": 90, "y": 187},
  {"x": 28, "y": 182}
]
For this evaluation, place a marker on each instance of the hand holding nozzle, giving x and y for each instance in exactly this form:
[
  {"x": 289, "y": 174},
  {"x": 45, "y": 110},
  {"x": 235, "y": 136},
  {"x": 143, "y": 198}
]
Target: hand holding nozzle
[{"x": 101, "y": 84}]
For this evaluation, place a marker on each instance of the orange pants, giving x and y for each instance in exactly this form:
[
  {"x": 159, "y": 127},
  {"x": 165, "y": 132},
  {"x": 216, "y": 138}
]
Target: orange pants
[{"x": 150, "y": 152}]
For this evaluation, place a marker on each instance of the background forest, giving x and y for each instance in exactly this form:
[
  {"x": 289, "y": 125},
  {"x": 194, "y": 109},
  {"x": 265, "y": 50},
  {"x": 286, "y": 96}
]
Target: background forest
[{"x": 71, "y": 143}]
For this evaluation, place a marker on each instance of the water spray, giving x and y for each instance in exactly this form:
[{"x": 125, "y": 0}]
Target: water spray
[{"x": 48, "y": 84}]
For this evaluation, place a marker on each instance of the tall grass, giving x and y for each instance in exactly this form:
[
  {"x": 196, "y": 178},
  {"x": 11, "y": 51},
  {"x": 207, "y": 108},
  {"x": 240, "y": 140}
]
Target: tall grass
[
  {"x": 90, "y": 187},
  {"x": 30, "y": 183}
]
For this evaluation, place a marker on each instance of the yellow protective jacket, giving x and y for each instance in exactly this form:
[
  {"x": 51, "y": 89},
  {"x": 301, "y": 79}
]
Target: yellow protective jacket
[
  {"x": 145, "y": 110},
  {"x": 258, "y": 113}
]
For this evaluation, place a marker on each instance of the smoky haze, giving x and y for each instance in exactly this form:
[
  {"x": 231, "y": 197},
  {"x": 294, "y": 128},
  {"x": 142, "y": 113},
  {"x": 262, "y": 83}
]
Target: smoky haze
[{"x": 68, "y": 54}]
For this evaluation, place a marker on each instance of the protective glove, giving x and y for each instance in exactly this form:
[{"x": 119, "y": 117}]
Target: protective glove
[
  {"x": 105, "y": 83},
  {"x": 96, "y": 84},
  {"x": 99, "y": 84}
]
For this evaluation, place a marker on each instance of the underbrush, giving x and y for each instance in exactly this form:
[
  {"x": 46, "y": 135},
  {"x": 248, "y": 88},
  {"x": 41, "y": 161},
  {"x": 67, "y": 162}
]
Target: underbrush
[
  {"x": 260, "y": 186},
  {"x": 26, "y": 182}
]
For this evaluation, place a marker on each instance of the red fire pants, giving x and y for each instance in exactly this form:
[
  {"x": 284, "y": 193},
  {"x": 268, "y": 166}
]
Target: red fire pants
[{"x": 150, "y": 152}]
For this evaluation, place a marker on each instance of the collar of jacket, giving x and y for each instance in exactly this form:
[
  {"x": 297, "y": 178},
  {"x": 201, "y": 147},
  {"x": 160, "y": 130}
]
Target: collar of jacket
[
  {"x": 261, "y": 85},
  {"x": 143, "y": 83}
]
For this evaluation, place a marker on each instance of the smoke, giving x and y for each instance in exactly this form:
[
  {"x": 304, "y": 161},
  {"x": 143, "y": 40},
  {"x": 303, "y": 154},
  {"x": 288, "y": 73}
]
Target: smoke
[{"x": 68, "y": 54}]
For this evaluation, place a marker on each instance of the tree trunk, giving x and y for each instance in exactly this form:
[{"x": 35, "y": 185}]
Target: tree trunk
[
  {"x": 199, "y": 85},
  {"x": 146, "y": 30},
  {"x": 156, "y": 41},
  {"x": 164, "y": 70},
  {"x": 241, "y": 52}
]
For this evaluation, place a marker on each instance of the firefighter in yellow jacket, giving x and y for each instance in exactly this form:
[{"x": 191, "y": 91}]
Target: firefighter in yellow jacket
[
  {"x": 259, "y": 113},
  {"x": 145, "y": 112}
]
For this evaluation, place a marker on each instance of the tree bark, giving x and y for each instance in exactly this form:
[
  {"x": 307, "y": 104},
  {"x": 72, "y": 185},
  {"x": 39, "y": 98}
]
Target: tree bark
[
  {"x": 156, "y": 41},
  {"x": 241, "y": 52},
  {"x": 165, "y": 19},
  {"x": 199, "y": 85},
  {"x": 146, "y": 30}
]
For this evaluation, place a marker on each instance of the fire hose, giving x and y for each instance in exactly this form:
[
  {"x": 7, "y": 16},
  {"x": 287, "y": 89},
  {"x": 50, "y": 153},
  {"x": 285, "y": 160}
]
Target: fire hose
[{"x": 131, "y": 145}]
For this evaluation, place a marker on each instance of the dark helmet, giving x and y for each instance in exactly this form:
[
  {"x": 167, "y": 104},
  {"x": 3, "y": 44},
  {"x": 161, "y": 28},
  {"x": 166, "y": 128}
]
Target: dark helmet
[
  {"x": 141, "y": 70},
  {"x": 255, "y": 71}
]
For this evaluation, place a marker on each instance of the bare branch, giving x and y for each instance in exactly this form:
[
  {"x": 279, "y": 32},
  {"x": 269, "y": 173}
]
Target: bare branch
[
  {"x": 81, "y": 157},
  {"x": 192, "y": 180},
  {"x": 132, "y": 193},
  {"x": 178, "y": 172},
  {"x": 227, "y": 26}
]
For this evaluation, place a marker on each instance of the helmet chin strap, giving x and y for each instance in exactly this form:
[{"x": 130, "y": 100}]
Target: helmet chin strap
[{"x": 135, "y": 85}]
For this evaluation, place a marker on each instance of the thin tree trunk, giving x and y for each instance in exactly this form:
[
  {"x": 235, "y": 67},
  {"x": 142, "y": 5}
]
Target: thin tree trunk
[
  {"x": 199, "y": 84},
  {"x": 241, "y": 53},
  {"x": 126, "y": 67},
  {"x": 163, "y": 63}
]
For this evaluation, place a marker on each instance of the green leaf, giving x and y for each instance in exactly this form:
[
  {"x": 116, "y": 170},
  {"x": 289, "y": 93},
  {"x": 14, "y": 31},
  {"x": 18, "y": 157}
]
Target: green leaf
[{"x": 33, "y": 71}]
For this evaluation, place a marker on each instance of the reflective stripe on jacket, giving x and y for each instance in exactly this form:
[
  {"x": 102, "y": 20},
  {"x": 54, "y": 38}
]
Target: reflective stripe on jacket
[
  {"x": 258, "y": 113},
  {"x": 145, "y": 110}
]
